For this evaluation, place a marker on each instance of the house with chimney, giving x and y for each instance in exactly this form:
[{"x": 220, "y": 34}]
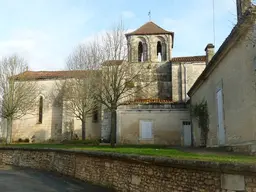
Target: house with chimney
[{"x": 227, "y": 88}]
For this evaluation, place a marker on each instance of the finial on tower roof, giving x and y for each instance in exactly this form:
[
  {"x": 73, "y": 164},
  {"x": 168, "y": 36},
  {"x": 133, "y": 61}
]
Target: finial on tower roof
[{"x": 149, "y": 15}]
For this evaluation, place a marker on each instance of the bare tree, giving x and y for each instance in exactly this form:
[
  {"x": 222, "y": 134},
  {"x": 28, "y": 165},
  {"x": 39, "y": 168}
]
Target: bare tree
[
  {"x": 120, "y": 80},
  {"x": 18, "y": 94},
  {"x": 116, "y": 81},
  {"x": 78, "y": 91}
]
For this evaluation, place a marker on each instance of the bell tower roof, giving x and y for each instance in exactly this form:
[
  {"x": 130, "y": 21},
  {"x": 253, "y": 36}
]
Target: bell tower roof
[{"x": 150, "y": 28}]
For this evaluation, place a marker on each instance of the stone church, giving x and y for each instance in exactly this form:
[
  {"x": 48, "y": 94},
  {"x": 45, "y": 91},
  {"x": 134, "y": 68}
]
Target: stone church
[{"x": 161, "y": 117}]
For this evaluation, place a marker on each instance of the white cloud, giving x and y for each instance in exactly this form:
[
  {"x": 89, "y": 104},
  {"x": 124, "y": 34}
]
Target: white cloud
[
  {"x": 30, "y": 44},
  {"x": 128, "y": 14},
  {"x": 43, "y": 49},
  {"x": 47, "y": 45},
  {"x": 42, "y": 31}
]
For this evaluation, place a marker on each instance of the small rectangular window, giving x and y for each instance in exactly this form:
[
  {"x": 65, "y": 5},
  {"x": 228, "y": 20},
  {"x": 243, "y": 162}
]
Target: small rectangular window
[
  {"x": 40, "y": 114},
  {"x": 146, "y": 128}
]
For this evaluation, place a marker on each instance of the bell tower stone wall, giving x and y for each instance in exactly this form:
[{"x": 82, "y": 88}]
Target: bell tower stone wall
[{"x": 152, "y": 46}]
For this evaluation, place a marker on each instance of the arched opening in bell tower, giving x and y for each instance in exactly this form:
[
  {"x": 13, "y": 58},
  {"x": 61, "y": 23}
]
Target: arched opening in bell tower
[
  {"x": 140, "y": 52},
  {"x": 159, "y": 51}
]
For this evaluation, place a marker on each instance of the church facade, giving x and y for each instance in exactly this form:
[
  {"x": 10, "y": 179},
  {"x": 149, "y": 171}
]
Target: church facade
[{"x": 158, "y": 117}]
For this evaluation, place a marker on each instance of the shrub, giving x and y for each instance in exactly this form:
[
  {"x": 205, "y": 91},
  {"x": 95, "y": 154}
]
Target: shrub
[
  {"x": 2, "y": 140},
  {"x": 20, "y": 140},
  {"x": 26, "y": 140},
  {"x": 51, "y": 141},
  {"x": 105, "y": 140}
]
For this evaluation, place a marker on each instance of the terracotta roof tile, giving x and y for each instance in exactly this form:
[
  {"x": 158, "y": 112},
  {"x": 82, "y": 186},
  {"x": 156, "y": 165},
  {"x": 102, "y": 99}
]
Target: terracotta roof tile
[
  {"x": 112, "y": 62},
  {"x": 149, "y": 28},
  {"x": 150, "y": 101},
  {"x": 189, "y": 59},
  {"x": 50, "y": 74}
]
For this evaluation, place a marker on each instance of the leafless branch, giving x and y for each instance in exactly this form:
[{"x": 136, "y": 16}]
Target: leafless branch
[{"x": 17, "y": 96}]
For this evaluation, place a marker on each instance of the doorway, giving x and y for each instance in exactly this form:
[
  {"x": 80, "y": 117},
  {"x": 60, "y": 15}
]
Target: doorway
[{"x": 187, "y": 133}]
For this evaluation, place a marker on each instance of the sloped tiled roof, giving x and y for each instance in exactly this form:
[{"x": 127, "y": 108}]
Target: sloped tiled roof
[
  {"x": 149, "y": 28},
  {"x": 153, "y": 101},
  {"x": 201, "y": 58},
  {"x": 112, "y": 62},
  {"x": 50, "y": 74}
]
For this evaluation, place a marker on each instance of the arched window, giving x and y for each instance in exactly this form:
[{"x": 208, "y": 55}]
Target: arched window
[
  {"x": 159, "y": 47},
  {"x": 140, "y": 52},
  {"x": 40, "y": 114},
  {"x": 159, "y": 51}
]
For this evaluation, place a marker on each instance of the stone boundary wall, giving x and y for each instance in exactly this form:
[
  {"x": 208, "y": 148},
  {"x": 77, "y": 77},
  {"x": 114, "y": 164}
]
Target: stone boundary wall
[
  {"x": 136, "y": 173},
  {"x": 249, "y": 149}
]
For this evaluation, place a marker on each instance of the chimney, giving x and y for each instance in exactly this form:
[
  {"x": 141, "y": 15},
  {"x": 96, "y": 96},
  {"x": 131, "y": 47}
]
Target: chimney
[
  {"x": 209, "y": 49},
  {"x": 242, "y": 6}
]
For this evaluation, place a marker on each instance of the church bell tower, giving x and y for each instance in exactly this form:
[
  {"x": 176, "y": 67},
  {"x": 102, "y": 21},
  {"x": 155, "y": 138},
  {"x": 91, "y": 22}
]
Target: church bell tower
[{"x": 150, "y": 43}]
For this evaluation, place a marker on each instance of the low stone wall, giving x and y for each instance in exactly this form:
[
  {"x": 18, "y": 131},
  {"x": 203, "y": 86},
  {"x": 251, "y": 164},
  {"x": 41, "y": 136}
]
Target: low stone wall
[
  {"x": 136, "y": 173},
  {"x": 249, "y": 149}
]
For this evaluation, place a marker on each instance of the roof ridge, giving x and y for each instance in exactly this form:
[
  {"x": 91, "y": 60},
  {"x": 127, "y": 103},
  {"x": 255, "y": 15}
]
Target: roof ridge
[{"x": 149, "y": 28}]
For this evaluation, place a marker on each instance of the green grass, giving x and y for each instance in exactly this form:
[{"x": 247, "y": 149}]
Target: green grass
[{"x": 150, "y": 151}]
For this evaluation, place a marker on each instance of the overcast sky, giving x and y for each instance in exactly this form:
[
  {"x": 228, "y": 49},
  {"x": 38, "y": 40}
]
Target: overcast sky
[{"x": 44, "y": 32}]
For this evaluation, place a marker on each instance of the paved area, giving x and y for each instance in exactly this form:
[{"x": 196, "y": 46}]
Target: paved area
[{"x": 14, "y": 179}]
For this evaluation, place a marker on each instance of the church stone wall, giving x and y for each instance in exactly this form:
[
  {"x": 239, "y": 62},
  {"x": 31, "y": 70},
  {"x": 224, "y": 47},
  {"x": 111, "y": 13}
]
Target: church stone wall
[
  {"x": 28, "y": 125},
  {"x": 154, "y": 79},
  {"x": 57, "y": 121},
  {"x": 184, "y": 75}
]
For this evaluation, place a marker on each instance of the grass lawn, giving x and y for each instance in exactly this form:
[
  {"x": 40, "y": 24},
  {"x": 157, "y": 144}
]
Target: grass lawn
[{"x": 150, "y": 151}]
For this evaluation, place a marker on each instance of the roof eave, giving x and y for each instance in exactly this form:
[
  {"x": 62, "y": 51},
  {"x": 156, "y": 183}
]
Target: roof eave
[
  {"x": 224, "y": 48},
  {"x": 163, "y": 33}
]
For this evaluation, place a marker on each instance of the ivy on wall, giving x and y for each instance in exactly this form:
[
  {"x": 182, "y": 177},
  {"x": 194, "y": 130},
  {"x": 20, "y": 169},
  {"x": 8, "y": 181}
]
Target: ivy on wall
[{"x": 200, "y": 112}]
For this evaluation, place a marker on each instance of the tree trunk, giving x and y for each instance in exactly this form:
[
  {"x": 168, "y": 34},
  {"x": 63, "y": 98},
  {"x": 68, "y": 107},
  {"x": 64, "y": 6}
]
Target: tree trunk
[
  {"x": 83, "y": 129},
  {"x": 9, "y": 131},
  {"x": 113, "y": 128}
]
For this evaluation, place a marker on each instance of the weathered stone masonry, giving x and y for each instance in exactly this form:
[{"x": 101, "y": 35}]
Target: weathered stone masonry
[{"x": 136, "y": 173}]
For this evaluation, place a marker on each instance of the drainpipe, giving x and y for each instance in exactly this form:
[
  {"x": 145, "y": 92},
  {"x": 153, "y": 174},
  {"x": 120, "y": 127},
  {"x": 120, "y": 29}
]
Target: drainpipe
[
  {"x": 191, "y": 124},
  {"x": 185, "y": 81},
  {"x": 180, "y": 83}
]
